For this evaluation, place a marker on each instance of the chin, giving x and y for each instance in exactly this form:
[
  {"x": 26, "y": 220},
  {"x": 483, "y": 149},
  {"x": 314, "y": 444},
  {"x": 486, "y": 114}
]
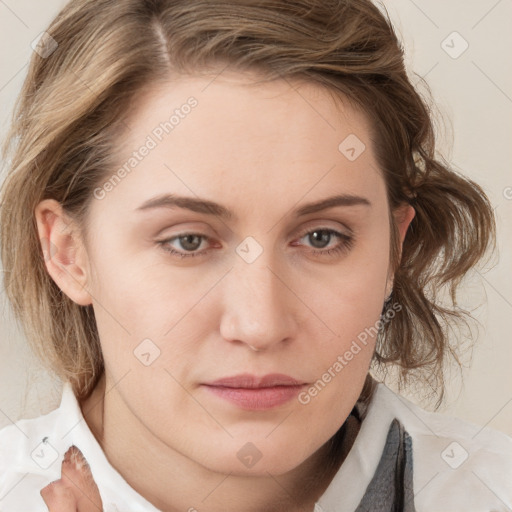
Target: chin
[
  {"x": 255, "y": 458},
  {"x": 261, "y": 468}
]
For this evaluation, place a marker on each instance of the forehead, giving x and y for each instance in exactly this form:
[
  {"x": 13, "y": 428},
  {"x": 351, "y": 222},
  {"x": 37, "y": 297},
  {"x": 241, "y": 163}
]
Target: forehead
[
  {"x": 243, "y": 104},
  {"x": 247, "y": 139}
]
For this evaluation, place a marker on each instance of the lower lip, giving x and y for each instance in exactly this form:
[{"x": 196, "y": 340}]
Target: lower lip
[{"x": 257, "y": 399}]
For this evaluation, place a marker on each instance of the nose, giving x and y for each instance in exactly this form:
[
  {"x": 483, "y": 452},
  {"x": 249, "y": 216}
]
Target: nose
[{"x": 259, "y": 309}]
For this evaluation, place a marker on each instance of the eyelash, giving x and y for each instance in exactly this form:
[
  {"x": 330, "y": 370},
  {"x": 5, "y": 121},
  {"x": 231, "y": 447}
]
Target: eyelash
[{"x": 343, "y": 247}]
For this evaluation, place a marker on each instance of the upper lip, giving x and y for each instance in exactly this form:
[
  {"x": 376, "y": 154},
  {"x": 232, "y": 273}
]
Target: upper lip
[{"x": 247, "y": 380}]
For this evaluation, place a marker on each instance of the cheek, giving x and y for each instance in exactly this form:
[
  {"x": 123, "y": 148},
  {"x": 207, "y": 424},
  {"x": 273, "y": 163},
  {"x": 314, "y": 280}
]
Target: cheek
[
  {"x": 352, "y": 293},
  {"x": 140, "y": 303},
  {"x": 132, "y": 288},
  {"x": 352, "y": 308},
  {"x": 351, "y": 304}
]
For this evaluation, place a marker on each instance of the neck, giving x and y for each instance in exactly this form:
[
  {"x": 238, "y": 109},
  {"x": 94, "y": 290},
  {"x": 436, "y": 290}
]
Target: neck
[{"x": 169, "y": 480}]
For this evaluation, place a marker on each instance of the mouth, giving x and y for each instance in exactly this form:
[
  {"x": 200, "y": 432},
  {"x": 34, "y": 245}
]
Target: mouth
[
  {"x": 254, "y": 393},
  {"x": 246, "y": 380}
]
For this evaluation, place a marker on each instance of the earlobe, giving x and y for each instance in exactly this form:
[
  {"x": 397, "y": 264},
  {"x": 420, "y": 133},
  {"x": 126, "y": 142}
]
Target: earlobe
[{"x": 63, "y": 252}]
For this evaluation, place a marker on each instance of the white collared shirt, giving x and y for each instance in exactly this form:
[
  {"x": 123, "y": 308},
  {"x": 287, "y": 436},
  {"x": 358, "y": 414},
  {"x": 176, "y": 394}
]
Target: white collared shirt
[{"x": 457, "y": 466}]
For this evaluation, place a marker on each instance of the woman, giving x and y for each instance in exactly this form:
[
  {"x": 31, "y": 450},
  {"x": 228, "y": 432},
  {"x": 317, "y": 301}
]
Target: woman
[{"x": 234, "y": 210}]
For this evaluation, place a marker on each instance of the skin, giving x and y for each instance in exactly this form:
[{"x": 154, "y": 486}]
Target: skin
[{"x": 262, "y": 152}]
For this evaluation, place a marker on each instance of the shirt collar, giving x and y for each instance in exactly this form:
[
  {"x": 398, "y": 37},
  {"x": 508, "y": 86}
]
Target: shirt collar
[{"x": 362, "y": 459}]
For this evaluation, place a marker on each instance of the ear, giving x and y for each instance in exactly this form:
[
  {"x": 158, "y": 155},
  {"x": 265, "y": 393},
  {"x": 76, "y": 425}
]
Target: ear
[
  {"x": 403, "y": 218},
  {"x": 64, "y": 254}
]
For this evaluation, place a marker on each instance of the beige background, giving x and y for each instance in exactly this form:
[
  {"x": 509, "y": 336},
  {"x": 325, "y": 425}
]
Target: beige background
[{"x": 473, "y": 92}]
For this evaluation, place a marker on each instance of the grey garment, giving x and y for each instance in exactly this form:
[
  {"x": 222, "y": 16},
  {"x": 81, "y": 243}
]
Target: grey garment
[{"x": 391, "y": 488}]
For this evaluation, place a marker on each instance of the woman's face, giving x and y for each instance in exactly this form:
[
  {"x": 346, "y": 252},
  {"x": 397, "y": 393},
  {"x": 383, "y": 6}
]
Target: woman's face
[{"x": 263, "y": 282}]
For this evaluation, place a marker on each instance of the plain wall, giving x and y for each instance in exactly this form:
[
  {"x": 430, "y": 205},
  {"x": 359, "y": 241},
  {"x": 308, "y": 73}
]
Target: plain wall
[{"x": 473, "y": 92}]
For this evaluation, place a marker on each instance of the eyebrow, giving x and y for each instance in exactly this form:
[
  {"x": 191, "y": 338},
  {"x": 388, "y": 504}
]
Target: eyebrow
[{"x": 211, "y": 208}]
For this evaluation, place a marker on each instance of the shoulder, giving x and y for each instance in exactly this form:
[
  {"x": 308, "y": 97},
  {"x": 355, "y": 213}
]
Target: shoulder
[
  {"x": 456, "y": 463},
  {"x": 28, "y": 461},
  {"x": 31, "y": 454}
]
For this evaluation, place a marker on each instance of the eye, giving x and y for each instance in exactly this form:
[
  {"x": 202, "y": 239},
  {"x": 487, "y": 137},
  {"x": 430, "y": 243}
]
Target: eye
[
  {"x": 321, "y": 237},
  {"x": 188, "y": 241}
]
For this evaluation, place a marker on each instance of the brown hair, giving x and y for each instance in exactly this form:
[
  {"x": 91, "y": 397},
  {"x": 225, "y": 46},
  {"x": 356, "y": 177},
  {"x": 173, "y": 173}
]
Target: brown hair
[{"x": 74, "y": 101}]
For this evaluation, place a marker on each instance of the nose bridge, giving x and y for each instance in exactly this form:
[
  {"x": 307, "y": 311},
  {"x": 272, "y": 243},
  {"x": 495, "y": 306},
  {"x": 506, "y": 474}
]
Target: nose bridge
[{"x": 258, "y": 308}]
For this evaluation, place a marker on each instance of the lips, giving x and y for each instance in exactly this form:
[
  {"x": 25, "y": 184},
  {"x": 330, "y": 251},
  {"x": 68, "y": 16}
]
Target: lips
[
  {"x": 249, "y": 381},
  {"x": 254, "y": 393}
]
